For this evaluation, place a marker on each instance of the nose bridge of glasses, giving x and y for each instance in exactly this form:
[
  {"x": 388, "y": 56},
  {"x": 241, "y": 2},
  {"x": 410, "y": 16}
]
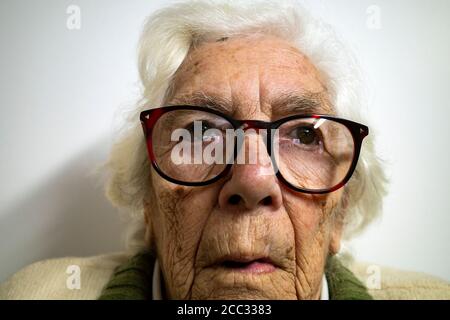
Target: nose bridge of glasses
[
  {"x": 264, "y": 132},
  {"x": 253, "y": 148},
  {"x": 254, "y": 124}
]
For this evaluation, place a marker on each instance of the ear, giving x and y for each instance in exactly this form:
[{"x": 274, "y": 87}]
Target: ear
[
  {"x": 149, "y": 233},
  {"x": 336, "y": 236},
  {"x": 338, "y": 226}
]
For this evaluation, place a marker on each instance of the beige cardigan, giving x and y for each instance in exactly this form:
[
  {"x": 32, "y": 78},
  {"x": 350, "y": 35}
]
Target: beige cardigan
[{"x": 47, "y": 280}]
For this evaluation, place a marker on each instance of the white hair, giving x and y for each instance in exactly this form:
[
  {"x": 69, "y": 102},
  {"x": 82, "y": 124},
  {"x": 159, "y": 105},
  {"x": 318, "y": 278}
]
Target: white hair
[{"x": 168, "y": 35}]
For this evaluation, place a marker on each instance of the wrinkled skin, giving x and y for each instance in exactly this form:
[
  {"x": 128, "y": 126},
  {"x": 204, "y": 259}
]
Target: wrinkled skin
[{"x": 193, "y": 228}]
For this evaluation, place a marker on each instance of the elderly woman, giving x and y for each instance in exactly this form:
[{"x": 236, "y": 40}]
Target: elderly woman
[
  {"x": 221, "y": 82},
  {"x": 245, "y": 164}
]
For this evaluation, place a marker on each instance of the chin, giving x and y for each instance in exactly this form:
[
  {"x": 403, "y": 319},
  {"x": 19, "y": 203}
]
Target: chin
[{"x": 226, "y": 284}]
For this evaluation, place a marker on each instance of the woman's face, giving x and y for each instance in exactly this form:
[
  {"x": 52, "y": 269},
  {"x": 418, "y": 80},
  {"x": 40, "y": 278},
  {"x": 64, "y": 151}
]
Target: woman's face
[{"x": 247, "y": 235}]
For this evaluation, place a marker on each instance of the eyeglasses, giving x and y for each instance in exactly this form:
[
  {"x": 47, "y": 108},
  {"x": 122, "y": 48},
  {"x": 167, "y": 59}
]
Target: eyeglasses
[{"x": 197, "y": 146}]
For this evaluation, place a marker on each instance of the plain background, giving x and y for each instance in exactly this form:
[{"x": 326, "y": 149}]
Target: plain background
[{"x": 61, "y": 91}]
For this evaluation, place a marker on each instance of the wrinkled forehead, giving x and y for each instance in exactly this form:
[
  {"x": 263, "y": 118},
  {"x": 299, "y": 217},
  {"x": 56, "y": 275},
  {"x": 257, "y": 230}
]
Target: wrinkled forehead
[{"x": 249, "y": 74}]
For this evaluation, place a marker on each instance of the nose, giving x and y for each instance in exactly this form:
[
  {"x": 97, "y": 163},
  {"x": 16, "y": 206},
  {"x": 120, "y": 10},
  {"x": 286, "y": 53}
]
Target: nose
[{"x": 253, "y": 182}]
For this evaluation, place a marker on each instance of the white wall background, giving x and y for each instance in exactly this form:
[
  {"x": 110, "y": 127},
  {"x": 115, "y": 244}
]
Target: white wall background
[{"x": 60, "y": 90}]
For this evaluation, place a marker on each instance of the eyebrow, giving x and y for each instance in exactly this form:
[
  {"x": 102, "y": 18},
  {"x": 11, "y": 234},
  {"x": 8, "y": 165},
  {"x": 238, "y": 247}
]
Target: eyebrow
[
  {"x": 203, "y": 99},
  {"x": 293, "y": 103},
  {"x": 283, "y": 104}
]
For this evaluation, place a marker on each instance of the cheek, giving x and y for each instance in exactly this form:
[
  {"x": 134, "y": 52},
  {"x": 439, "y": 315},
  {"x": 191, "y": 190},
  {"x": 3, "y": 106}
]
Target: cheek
[
  {"x": 312, "y": 219},
  {"x": 179, "y": 217},
  {"x": 305, "y": 215}
]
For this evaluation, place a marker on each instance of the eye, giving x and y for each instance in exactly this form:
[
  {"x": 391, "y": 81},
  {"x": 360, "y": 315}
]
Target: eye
[
  {"x": 200, "y": 130},
  {"x": 198, "y": 124},
  {"x": 305, "y": 135}
]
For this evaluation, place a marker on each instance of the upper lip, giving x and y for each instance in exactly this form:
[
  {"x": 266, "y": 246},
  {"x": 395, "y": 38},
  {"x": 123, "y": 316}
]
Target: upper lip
[{"x": 243, "y": 259}]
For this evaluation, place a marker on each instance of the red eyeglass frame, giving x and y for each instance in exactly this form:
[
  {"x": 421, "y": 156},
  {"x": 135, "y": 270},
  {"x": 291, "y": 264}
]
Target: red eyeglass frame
[{"x": 149, "y": 118}]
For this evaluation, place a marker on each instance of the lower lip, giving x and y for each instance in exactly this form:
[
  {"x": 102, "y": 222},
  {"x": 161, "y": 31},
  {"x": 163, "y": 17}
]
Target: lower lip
[{"x": 256, "y": 267}]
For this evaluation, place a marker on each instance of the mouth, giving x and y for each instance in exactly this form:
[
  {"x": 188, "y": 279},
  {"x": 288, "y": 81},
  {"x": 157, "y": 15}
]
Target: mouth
[{"x": 251, "y": 265}]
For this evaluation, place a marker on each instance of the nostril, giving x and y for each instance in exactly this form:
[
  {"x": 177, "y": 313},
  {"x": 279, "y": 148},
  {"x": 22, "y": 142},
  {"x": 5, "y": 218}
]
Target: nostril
[
  {"x": 267, "y": 201},
  {"x": 234, "y": 199}
]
